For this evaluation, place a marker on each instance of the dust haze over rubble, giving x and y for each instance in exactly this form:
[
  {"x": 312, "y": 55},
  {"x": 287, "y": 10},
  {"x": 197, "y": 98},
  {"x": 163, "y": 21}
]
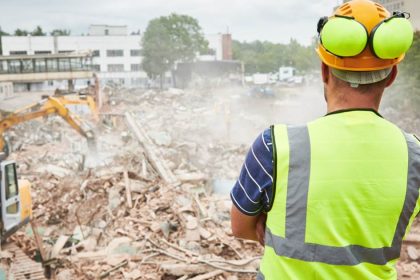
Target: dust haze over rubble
[
  {"x": 399, "y": 107},
  {"x": 239, "y": 117},
  {"x": 119, "y": 219}
]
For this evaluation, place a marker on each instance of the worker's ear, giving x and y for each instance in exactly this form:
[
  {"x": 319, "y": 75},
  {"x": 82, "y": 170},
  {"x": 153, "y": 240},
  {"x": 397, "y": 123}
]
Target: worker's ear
[
  {"x": 325, "y": 73},
  {"x": 392, "y": 76}
]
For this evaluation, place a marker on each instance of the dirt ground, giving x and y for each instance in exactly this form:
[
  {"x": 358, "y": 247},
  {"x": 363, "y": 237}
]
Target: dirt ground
[{"x": 152, "y": 202}]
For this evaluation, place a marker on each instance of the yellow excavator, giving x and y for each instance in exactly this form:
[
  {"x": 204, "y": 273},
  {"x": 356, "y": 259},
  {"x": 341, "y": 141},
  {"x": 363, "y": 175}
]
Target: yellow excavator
[
  {"x": 16, "y": 203},
  {"x": 80, "y": 99},
  {"x": 15, "y": 200}
]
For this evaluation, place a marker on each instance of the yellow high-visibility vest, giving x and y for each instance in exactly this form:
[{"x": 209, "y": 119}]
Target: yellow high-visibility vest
[{"x": 346, "y": 193}]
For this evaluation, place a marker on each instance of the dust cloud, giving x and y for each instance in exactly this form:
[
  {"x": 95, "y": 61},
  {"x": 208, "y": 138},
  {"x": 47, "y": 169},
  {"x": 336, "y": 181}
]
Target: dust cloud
[
  {"x": 239, "y": 116},
  {"x": 400, "y": 105}
]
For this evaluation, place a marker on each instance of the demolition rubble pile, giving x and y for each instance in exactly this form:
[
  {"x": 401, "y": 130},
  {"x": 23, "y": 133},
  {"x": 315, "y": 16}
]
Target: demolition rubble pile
[
  {"x": 146, "y": 209},
  {"x": 124, "y": 218}
]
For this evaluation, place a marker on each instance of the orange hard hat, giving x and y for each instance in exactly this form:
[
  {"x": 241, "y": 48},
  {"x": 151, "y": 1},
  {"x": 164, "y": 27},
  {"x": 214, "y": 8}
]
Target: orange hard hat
[{"x": 369, "y": 14}]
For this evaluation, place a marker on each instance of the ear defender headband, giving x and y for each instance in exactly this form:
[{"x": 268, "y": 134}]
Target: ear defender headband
[{"x": 346, "y": 37}]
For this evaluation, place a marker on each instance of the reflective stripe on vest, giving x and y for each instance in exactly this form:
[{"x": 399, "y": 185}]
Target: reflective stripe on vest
[{"x": 293, "y": 244}]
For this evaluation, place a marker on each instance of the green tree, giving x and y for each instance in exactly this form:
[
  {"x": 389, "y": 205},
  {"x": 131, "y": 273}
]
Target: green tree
[
  {"x": 3, "y": 33},
  {"x": 60, "y": 32},
  {"x": 171, "y": 39},
  {"x": 38, "y": 32},
  {"x": 268, "y": 57},
  {"x": 21, "y": 32}
]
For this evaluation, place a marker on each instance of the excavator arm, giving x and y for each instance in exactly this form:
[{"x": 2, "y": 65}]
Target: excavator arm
[
  {"x": 80, "y": 100},
  {"x": 49, "y": 106}
]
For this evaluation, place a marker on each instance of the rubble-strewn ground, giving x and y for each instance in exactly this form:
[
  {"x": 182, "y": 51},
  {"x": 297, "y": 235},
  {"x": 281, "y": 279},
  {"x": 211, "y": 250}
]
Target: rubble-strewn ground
[{"x": 109, "y": 214}]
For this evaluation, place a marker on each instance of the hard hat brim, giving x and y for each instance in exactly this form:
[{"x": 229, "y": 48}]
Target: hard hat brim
[{"x": 361, "y": 62}]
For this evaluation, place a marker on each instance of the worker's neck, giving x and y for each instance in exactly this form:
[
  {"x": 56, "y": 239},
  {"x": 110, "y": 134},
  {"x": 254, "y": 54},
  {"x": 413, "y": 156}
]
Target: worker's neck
[{"x": 353, "y": 100}]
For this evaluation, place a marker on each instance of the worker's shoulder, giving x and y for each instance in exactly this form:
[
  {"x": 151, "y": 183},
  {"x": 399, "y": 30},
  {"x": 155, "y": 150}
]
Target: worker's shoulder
[
  {"x": 262, "y": 141},
  {"x": 264, "y": 138},
  {"x": 411, "y": 138}
]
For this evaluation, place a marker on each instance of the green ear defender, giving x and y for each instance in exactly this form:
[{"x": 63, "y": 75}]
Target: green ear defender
[
  {"x": 392, "y": 37},
  {"x": 346, "y": 37}
]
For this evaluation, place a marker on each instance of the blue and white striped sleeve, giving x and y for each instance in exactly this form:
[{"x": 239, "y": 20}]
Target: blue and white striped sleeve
[{"x": 252, "y": 192}]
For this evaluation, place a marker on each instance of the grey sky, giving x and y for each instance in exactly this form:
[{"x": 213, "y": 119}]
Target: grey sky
[{"x": 249, "y": 20}]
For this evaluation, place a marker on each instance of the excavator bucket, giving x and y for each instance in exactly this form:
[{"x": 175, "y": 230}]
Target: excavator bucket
[{"x": 91, "y": 157}]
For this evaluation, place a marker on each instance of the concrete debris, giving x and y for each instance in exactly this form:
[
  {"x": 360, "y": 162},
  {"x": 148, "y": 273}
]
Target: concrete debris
[
  {"x": 64, "y": 274},
  {"x": 156, "y": 206},
  {"x": 413, "y": 253},
  {"x": 114, "y": 198},
  {"x": 54, "y": 170},
  {"x": 58, "y": 246},
  {"x": 160, "y": 138}
]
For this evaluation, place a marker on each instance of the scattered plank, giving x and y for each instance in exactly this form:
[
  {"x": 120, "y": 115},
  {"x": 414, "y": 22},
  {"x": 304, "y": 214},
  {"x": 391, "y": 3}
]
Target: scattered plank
[
  {"x": 128, "y": 190},
  {"x": 181, "y": 269},
  {"x": 38, "y": 240},
  {"x": 106, "y": 273},
  {"x": 59, "y": 244},
  {"x": 152, "y": 154},
  {"x": 207, "y": 275}
]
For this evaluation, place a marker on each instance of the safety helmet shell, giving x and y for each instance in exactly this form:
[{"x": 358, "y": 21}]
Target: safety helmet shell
[{"x": 370, "y": 14}]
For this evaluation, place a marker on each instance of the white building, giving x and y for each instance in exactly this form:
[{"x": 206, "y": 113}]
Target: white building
[
  {"x": 220, "y": 45},
  {"x": 6, "y": 90},
  {"x": 215, "y": 45},
  {"x": 117, "y": 58},
  {"x": 108, "y": 30}
]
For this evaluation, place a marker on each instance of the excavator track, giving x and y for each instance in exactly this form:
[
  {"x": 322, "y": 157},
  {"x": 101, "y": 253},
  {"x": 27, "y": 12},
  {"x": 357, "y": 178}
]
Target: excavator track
[{"x": 22, "y": 267}]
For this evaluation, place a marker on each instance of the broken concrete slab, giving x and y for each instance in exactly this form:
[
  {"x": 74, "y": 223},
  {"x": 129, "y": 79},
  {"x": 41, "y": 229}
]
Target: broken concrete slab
[
  {"x": 114, "y": 198},
  {"x": 54, "y": 169},
  {"x": 161, "y": 138},
  {"x": 59, "y": 244}
]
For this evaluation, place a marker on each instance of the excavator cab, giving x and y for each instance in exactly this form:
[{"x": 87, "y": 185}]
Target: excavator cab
[{"x": 16, "y": 205}]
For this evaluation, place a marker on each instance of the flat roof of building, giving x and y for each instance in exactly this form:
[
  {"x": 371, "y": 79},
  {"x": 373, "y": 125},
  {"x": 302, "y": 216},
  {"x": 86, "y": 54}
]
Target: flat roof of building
[{"x": 43, "y": 56}]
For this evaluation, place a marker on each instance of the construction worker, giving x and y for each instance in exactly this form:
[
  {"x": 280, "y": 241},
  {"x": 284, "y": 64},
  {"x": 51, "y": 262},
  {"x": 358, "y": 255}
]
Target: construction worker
[{"x": 333, "y": 199}]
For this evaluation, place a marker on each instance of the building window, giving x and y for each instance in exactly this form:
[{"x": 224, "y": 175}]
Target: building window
[
  {"x": 14, "y": 66},
  {"x": 96, "y": 67},
  {"x": 42, "y": 52},
  {"x": 64, "y": 64},
  {"x": 18, "y": 52},
  {"x": 114, "y": 53},
  {"x": 96, "y": 53},
  {"x": 52, "y": 65},
  {"x": 27, "y": 66},
  {"x": 76, "y": 64},
  {"x": 65, "y": 51},
  {"x": 40, "y": 65},
  {"x": 135, "y": 67},
  {"x": 135, "y": 52},
  {"x": 115, "y": 67}
]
